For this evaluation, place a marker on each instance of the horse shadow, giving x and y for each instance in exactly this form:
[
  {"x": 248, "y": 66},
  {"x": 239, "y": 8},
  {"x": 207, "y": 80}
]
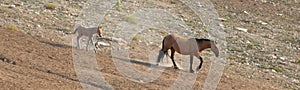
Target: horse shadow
[
  {"x": 76, "y": 80},
  {"x": 135, "y": 62},
  {"x": 56, "y": 44}
]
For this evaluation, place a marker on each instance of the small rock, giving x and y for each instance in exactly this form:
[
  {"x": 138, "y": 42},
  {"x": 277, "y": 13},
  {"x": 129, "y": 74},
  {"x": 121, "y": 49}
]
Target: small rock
[
  {"x": 279, "y": 14},
  {"x": 37, "y": 13},
  {"x": 241, "y": 29},
  {"x": 274, "y": 56},
  {"x": 273, "y": 70},
  {"x": 282, "y": 58},
  {"x": 14, "y": 63},
  {"x": 257, "y": 64},
  {"x": 222, "y": 19},
  {"x": 248, "y": 42},
  {"x": 38, "y": 25},
  {"x": 6, "y": 60},
  {"x": 11, "y": 6},
  {"x": 264, "y": 1},
  {"x": 273, "y": 77},
  {"x": 284, "y": 76},
  {"x": 48, "y": 71},
  {"x": 245, "y": 12},
  {"x": 262, "y": 23},
  {"x": 221, "y": 25},
  {"x": 16, "y": 21},
  {"x": 295, "y": 81}
]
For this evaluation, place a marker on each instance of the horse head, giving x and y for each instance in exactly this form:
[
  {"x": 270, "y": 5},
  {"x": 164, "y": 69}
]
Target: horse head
[
  {"x": 214, "y": 48},
  {"x": 100, "y": 31}
]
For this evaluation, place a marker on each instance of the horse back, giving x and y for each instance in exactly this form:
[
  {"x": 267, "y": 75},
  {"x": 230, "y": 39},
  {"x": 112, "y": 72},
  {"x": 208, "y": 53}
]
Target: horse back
[{"x": 186, "y": 46}]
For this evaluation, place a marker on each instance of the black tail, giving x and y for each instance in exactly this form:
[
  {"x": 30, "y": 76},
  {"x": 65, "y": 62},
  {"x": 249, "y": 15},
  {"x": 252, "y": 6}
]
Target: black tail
[
  {"x": 162, "y": 46},
  {"x": 165, "y": 52},
  {"x": 74, "y": 31}
]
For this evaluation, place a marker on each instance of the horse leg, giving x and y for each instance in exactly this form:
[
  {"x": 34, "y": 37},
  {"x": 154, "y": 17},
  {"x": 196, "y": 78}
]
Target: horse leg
[
  {"x": 172, "y": 57},
  {"x": 88, "y": 43},
  {"x": 201, "y": 61},
  {"x": 78, "y": 40},
  {"x": 191, "y": 64}
]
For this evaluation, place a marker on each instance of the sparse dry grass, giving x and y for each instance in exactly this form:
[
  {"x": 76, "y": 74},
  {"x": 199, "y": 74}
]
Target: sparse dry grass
[
  {"x": 12, "y": 27},
  {"x": 130, "y": 19},
  {"x": 119, "y": 5},
  {"x": 231, "y": 57},
  {"x": 136, "y": 38},
  {"x": 164, "y": 33},
  {"x": 161, "y": 31},
  {"x": 277, "y": 69},
  {"x": 263, "y": 66},
  {"x": 50, "y": 6},
  {"x": 2, "y": 10}
]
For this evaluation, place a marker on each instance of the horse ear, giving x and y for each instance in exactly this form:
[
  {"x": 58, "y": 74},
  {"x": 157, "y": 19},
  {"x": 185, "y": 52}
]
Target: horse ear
[{"x": 100, "y": 26}]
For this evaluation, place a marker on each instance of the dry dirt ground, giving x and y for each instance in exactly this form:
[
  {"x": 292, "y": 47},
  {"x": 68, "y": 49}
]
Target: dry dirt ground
[
  {"x": 51, "y": 67},
  {"x": 37, "y": 54}
]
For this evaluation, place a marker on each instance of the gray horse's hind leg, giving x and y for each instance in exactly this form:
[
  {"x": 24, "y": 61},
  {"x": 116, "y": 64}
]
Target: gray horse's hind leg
[
  {"x": 201, "y": 61},
  {"x": 88, "y": 42},
  {"x": 191, "y": 64},
  {"x": 78, "y": 40}
]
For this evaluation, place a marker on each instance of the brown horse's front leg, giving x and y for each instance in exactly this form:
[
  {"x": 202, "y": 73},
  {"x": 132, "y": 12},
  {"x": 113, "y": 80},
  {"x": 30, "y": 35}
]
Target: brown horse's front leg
[
  {"x": 172, "y": 57},
  {"x": 191, "y": 64},
  {"x": 201, "y": 61}
]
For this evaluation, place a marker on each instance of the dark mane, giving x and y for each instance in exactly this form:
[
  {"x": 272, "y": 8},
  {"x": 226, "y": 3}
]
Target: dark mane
[{"x": 201, "y": 40}]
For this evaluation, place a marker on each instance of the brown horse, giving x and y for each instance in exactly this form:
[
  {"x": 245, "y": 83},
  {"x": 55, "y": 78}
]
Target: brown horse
[
  {"x": 186, "y": 46},
  {"x": 89, "y": 32}
]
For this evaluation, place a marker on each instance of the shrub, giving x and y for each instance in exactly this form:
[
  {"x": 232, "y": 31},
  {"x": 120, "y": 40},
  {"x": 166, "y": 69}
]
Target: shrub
[
  {"x": 298, "y": 61},
  {"x": 2, "y": 10},
  {"x": 12, "y": 27},
  {"x": 136, "y": 38},
  {"x": 50, "y": 6},
  {"x": 119, "y": 6},
  {"x": 131, "y": 19},
  {"x": 163, "y": 33},
  {"x": 277, "y": 69},
  {"x": 263, "y": 66}
]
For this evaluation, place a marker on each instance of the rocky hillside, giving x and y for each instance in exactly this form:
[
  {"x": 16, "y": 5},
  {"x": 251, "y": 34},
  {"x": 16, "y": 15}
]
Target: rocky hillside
[{"x": 262, "y": 40}]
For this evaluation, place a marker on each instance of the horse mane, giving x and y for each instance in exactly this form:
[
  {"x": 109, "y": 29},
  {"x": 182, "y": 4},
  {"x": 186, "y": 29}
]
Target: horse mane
[{"x": 201, "y": 40}]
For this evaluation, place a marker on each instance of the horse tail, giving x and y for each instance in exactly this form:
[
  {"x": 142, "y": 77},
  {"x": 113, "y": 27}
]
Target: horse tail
[
  {"x": 162, "y": 46},
  {"x": 165, "y": 52},
  {"x": 75, "y": 31}
]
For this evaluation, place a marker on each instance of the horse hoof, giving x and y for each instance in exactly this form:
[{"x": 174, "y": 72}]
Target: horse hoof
[
  {"x": 176, "y": 67},
  {"x": 198, "y": 69},
  {"x": 191, "y": 71}
]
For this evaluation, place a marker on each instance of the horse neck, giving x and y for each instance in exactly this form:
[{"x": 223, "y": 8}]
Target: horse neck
[{"x": 204, "y": 45}]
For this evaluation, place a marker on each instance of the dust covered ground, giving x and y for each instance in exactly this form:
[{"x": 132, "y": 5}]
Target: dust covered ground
[{"x": 35, "y": 52}]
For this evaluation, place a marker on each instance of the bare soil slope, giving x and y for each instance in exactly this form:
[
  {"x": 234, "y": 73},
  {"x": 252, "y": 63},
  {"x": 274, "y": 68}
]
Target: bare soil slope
[
  {"x": 35, "y": 51},
  {"x": 29, "y": 62}
]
